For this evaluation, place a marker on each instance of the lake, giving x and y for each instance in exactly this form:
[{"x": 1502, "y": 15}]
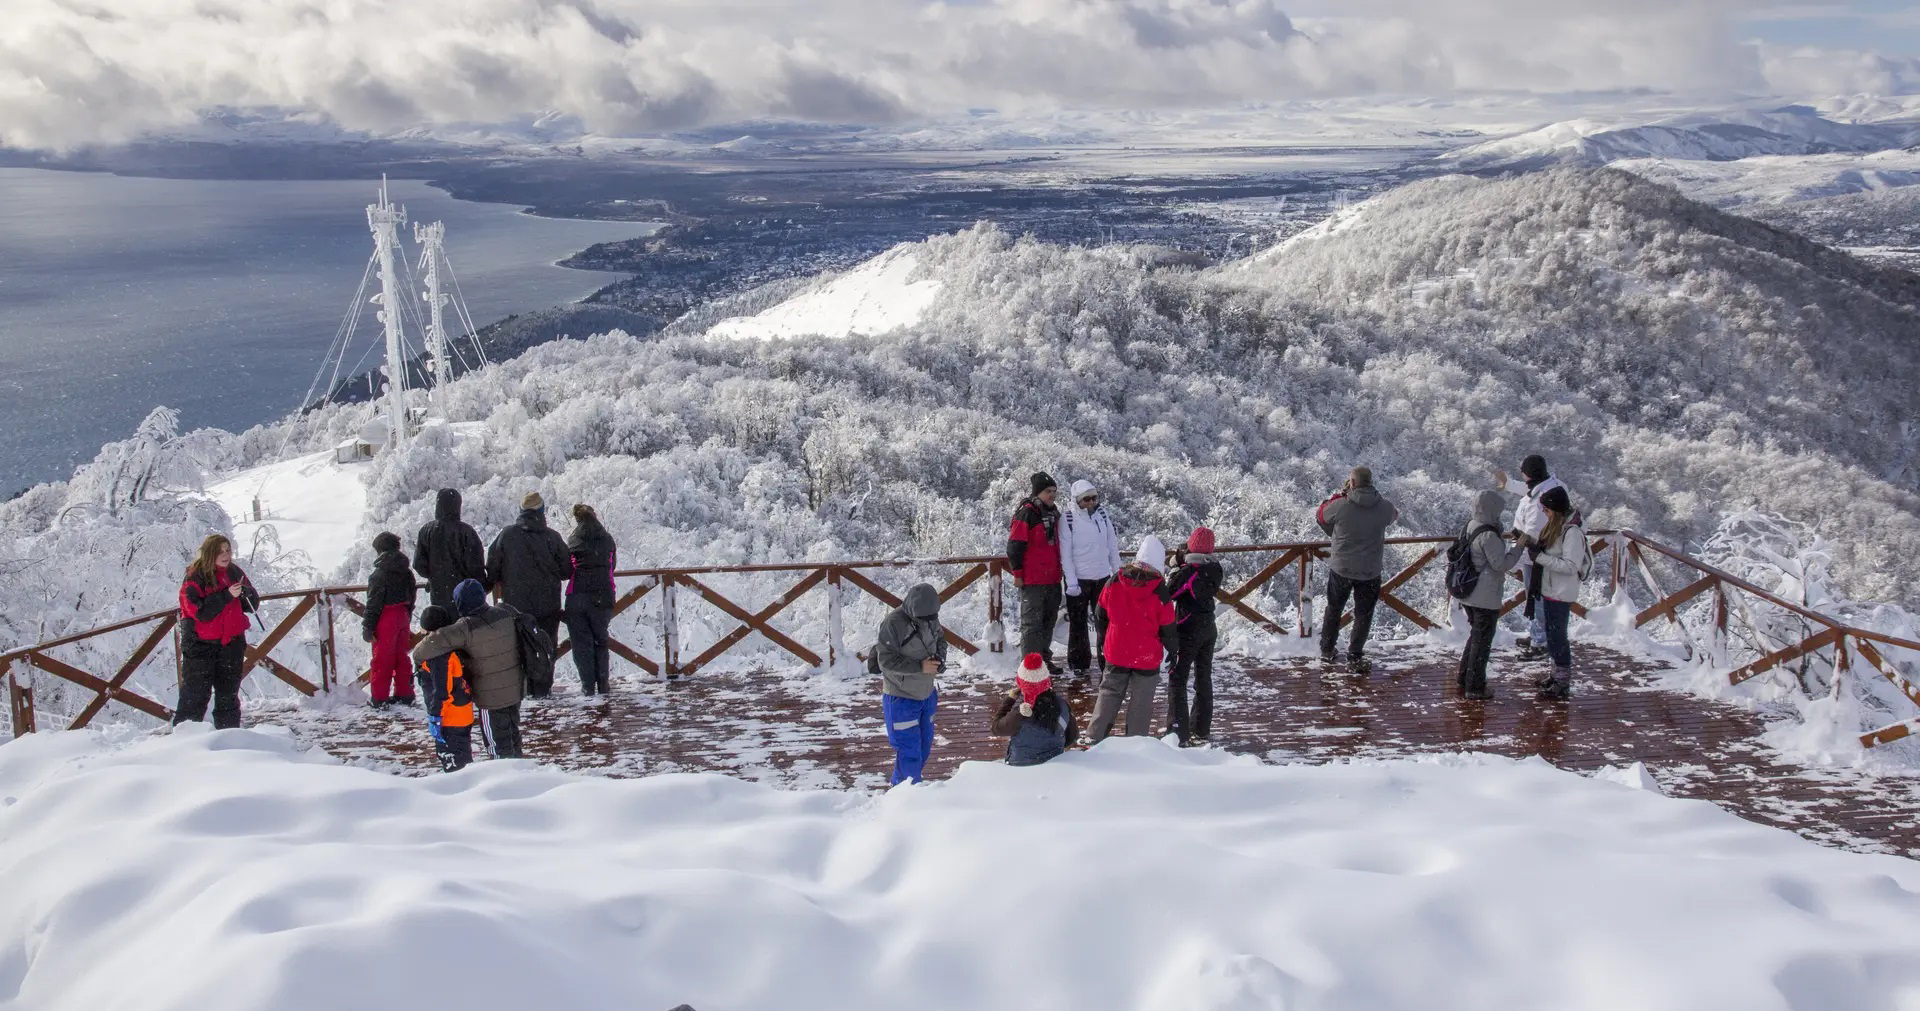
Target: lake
[{"x": 218, "y": 298}]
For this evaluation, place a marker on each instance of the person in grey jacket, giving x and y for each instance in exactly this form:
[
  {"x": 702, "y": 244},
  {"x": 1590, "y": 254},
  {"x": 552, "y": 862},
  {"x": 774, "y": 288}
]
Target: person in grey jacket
[
  {"x": 1492, "y": 557},
  {"x": 1356, "y": 517},
  {"x": 490, "y": 651},
  {"x": 911, "y": 650}
]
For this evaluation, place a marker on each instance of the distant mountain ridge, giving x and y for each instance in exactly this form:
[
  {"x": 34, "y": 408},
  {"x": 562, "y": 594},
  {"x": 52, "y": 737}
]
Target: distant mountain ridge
[{"x": 1699, "y": 136}]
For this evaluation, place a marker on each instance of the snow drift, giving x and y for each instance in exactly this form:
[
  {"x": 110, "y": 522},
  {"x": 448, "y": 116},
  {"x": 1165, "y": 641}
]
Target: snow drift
[
  {"x": 214, "y": 871},
  {"x": 877, "y": 296}
]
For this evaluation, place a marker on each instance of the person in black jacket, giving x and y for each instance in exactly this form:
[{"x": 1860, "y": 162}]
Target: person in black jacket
[
  {"x": 1194, "y": 584},
  {"x": 447, "y": 551},
  {"x": 527, "y": 565},
  {"x": 590, "y": 598},
  {"x": 388, "y": 623}
]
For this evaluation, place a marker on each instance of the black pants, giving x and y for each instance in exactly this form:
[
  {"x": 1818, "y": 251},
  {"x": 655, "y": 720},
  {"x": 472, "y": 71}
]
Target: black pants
[
  {"x": 210, "y": 671},
  {"x": 1198, "y": 636},
  {"x": 550, "y": 624},
  {"x": 503, "y": 727},
  {"x": 587, "y": 625},
  {"x": 1473, "y": 659},
  {"x": 1080, "y": 610},
  {"x": 1039, "y": 612},
  {"x": 1365, "y": 594},
  {"x": 454, "y": 748}
]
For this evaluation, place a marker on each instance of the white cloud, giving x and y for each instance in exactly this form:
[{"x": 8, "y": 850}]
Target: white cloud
[{"x": 81, "y": 71}]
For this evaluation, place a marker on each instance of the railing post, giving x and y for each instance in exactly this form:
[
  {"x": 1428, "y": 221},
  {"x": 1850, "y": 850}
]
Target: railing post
[
  {"x": 996, "y": 607},
  {"x": 1303, "y": 604},
  {"x": 1615, "y": 567},
  {"x": 836, "y": 617},
  {"x": 669, "y": 630},
  {"x": 1719, "y": 623},
  {"x": 19, "y": 703},
  {"x": 324, "y": 615}
]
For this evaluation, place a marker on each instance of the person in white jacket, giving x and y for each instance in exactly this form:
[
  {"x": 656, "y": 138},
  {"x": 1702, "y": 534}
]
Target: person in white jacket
[
  {"x": 1089, "y": 556},
  {"x": 1529, "y": 520},
  {"x": 1565, "y": 560}
]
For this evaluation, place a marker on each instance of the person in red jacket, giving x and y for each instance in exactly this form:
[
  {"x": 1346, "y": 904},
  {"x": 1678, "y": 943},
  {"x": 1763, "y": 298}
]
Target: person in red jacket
[
  {"x": 1033, "y": 554},
  {"x": 1141, "y": 630},
  {"x": 215, "y": 599}
]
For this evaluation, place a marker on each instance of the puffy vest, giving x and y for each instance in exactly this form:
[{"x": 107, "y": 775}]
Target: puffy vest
[{"x": 1034, "y": 743}]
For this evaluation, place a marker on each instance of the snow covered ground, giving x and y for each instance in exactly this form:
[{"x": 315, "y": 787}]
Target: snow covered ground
[
  {"x": 308, "y": 503},
  {"x": 234, "y": 870},
  {"x": 873, "y": 298}
]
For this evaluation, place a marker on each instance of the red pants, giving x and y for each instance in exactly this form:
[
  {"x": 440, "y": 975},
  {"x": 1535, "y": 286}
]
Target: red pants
[{"x": 392, "y": 667}]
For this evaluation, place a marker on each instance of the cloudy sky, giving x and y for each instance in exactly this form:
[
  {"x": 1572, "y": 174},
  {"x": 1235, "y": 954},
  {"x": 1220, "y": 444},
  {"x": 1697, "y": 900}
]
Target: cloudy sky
[{"x": 74, "y": 72}]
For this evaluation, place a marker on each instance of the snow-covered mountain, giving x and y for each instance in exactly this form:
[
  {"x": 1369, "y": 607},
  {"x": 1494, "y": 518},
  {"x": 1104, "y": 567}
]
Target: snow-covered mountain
[
  {"x": 1693, "y": 136},
  {"x": 1673, "y": 361}
]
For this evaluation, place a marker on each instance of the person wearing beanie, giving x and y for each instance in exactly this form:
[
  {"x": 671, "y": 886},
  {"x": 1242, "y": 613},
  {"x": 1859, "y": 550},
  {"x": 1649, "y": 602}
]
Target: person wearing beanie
[
  {"x": 1089, "y": 555},
  {"x": 448, "y": 697},
  {"x": 447, "y": 550},
  {"x": 1564, "y": 561},
  {"x": 1140, "y": 633},
  {"x": 527, "y": 565},
  {"x": 911, "y": 651},
  {"x": 1033, "y": 556},
  {"x": 488, "y": 641},
  {"x": 1356, "y": 518},
  {"x": 1529, "y": 521},
  {"x": 1193, "y": 585},
  {"x": 1034, "y": 716},
  {"x": 388, "y": 622},
  {"x": 590, "y": 598}
]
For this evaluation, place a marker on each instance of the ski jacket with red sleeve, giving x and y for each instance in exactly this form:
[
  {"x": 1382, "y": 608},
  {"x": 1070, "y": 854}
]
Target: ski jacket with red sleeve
[
  {"x": 210, "y": 613},
  {"x": 1033, "y": 544}
]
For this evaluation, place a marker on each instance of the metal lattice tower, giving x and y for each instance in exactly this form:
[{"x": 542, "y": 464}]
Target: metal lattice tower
[
  {"x": 384, "y": 220},
  {"x": 432, "y": 239}
]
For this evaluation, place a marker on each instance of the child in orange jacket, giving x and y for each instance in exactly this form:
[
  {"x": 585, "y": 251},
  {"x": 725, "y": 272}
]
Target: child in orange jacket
[{"x": 448, "y": 697}]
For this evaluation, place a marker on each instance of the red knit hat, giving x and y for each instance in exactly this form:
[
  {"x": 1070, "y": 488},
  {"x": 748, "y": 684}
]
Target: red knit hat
[
  {"x": 1034, "y": 679},
  {"x": 1201, "y": 542}
]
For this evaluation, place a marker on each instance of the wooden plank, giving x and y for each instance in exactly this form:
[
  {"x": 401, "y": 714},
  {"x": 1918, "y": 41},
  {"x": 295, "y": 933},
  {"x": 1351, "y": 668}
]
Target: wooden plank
[
  {"x": 1261, "y": 578},
  {"x": 1409, "y": 572},
  {"x": 961, "y": 582},
  {"x": 257, "y": 653},
  {"x": 1669, "y": 608},
  {"x": 629, "y": 598},
  {"x": 755, "y": 622},
  {"x": 133, "y": 663},
  {"x": 359, "y": 610},
  {"x": 1872, "y": 656},
  {"x": 873, "y": 589},
  {"x": 1889, "y": 733},
  {"x": 632, "y": 656},
  {"x": 1774, "y": 659},
  {"x": 68, "y": 672},
  {"x": 285, "y": 673},
  {"x": 1660, "y": 593}
]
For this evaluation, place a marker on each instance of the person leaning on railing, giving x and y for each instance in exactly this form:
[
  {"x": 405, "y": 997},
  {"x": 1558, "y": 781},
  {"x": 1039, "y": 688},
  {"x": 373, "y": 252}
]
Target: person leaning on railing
[{"x": 215, "y": 598}]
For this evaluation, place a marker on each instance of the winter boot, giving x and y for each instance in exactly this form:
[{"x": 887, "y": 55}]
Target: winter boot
[
  {"x": 1359, "y": 664},
  {"x": 1329, "y": 657},
  {"x": 1561, "y": 686}
]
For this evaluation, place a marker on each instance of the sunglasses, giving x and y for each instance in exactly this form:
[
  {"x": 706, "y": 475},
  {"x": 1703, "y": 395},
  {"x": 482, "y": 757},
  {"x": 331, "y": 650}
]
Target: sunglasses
[{"x": 1091, "y": 498}]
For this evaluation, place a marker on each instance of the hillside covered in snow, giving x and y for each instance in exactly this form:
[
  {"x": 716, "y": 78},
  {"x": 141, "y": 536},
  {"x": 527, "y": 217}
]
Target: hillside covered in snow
[
  {"x": 1693, "y": 136},
  {"x": 1674, "y": 362}
]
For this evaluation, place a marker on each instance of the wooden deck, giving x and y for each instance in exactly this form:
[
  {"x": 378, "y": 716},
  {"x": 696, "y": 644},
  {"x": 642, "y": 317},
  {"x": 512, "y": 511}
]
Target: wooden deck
[{"x": 816, "y": 731}]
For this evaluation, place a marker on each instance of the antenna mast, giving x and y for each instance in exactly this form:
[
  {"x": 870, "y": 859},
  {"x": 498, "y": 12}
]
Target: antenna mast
[
  {"x": 384, "y": 220},
  {"x": 432, "y": 240}
]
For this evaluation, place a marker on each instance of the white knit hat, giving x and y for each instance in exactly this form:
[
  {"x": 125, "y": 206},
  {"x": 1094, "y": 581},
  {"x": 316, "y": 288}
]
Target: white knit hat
[{"x": 1152, "y": 553}]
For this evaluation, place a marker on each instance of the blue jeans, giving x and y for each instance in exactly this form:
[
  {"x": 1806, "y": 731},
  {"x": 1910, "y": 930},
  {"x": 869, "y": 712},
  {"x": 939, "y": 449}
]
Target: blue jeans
[
  {"x": 1556, "y": 613},
  {"x": 910, "y": 731}
]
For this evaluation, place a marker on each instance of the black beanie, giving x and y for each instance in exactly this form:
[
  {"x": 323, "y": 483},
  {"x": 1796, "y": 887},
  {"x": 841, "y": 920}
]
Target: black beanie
[
  {"x": 1555, "y": 500},
  {"x": 1534, "y": 468},
  {"x": 1042, "y": 481},
  {"x": 433, "y": 618},
  {"x": 385, "y": 541}
]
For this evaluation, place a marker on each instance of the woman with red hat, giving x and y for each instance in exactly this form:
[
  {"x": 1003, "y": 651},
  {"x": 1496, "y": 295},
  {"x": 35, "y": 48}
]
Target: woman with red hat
[
  {"x": 1193, "y": 584},
  {"x": 1035, "y": 716}
]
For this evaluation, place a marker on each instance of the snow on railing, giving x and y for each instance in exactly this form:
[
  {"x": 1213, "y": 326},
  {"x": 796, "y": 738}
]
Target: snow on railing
[{"x": 1716, "y": 617}]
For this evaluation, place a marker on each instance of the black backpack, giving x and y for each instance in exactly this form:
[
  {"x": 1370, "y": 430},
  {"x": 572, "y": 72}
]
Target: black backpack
[
  {"x": 1462, "y": 577},
  {"x": 536, "y": 654}
]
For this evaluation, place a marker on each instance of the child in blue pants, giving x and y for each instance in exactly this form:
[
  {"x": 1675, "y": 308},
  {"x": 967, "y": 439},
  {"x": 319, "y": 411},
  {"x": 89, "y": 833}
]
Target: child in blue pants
[{"x": 910, "y": 652}]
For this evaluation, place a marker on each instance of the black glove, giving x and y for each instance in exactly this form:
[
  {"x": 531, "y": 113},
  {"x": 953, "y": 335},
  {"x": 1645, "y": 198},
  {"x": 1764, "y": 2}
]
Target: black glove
[{"x": 366, "y": 634}]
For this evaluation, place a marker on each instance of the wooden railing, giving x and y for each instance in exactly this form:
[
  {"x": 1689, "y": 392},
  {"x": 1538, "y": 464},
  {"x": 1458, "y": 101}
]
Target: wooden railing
[{"x": 672, "y": 589}]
